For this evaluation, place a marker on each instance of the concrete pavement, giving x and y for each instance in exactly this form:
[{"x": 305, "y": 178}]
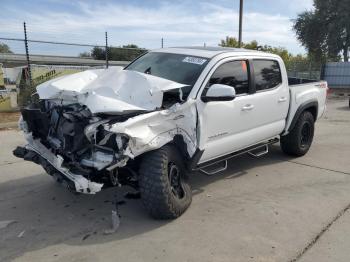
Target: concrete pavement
[{"x": 274, "y": 208}]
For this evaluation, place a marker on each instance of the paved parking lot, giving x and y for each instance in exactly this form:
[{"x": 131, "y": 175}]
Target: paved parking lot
[{"x": 274, "y": 208}]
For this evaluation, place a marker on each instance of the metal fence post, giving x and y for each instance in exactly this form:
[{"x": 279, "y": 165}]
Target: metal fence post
[
  {"x": 106, "y": 50},
  {"x": 310, "y": 68},
  {"x": 323, "y": 70},
  {"x": 27, "y": 54}
]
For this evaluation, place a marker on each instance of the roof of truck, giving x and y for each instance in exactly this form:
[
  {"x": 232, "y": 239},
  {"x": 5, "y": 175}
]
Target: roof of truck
[{"x": 210, "y": 52}]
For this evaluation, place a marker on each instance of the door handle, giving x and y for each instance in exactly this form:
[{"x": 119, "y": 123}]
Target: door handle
[
  {"x": 247, "y": 107},
  {"x": 282, "y": 99}
]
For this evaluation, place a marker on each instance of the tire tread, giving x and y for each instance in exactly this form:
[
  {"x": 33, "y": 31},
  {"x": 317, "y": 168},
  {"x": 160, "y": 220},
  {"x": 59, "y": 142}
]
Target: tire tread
[
  {"x": 154, "y": 186},
  {"x": 290, "y": 143}
]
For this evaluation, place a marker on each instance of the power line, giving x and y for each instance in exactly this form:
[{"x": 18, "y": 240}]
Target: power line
[{"x": 49, "y": 42}]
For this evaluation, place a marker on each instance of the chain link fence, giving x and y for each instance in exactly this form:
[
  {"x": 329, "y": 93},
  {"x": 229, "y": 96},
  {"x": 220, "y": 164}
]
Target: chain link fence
[{"x": 304, "y": 70}]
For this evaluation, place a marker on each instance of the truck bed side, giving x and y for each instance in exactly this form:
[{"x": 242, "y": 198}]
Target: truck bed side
[{"x": 304, "y": 96}]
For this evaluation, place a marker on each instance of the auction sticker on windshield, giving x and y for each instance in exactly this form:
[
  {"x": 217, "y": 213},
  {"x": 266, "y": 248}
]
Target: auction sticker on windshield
[{"x": 194, "y": 60}]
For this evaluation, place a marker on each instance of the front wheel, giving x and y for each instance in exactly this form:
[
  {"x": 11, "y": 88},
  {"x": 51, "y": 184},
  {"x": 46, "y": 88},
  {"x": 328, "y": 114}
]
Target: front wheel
[
  {"x": 163, "y": 184},
  {"x": 299, "y": 140}
]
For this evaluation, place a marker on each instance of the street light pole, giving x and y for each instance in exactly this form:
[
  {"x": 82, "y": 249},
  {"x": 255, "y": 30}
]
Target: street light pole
[{"x": 240, "y": 23}]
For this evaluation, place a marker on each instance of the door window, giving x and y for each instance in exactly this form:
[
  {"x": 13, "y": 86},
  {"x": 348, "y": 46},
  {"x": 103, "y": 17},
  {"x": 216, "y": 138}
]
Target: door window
[
  {"x": 233, "y": 74},
  {"x": 267, "y": 74}
]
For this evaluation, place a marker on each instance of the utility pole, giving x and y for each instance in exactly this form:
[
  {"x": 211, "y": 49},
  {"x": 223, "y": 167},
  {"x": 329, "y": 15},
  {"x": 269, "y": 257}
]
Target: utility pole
[
  {"x": 106, "y": 49},
  {"x": 162, "y": 42},
  {"x": 240, "y": 23},
  {"x": 27, "y": 54}
]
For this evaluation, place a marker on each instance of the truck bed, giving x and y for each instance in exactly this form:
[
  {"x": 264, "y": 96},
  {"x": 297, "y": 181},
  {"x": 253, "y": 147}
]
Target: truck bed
[
  {"x": 305, "y": 91},
  {"x": 298, "y": 81}
]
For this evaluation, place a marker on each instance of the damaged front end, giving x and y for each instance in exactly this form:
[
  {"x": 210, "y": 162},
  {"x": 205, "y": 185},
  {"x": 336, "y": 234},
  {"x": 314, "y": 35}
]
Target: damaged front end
[
  {"x": 72, "y": 145},
  {"x": 87, "y": 140}
]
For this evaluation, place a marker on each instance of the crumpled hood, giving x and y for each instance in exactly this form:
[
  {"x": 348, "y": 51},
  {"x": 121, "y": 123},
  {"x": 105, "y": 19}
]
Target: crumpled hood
[{"x": 111, "y": 90}]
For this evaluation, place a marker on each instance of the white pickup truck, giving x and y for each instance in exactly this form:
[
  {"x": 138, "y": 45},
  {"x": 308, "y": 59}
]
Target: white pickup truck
[{"x": 169, "y": 112}]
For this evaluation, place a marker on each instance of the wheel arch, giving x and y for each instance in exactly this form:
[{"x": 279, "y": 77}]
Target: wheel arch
[
  {"x": 311, "y": 106},
  {"x": 180, "y": 144}
]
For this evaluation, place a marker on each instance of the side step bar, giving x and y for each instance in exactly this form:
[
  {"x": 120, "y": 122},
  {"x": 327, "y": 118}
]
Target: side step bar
[
  {"x": 216, "y": 170},
  {"x": 263, "y": 147},
  {"x": 265, "y": 150}
]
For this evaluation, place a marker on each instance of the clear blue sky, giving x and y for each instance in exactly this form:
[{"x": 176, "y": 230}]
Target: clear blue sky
[{"x": 187, "y": 22}]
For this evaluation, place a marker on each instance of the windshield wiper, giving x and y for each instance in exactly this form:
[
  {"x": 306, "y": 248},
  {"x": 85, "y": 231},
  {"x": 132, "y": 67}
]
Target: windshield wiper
[{"x": 148, "y": 71}]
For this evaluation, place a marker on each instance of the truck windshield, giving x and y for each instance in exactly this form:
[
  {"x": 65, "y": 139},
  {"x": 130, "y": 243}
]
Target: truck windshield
[{"x": 183, "y": 69}]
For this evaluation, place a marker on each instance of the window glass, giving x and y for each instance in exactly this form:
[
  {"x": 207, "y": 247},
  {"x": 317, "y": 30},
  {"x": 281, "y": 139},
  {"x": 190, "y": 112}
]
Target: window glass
[
  {"x": 267, "y": 74},
  {"x": 183, "y": 69},
  {"x": 234, "y": 74}
]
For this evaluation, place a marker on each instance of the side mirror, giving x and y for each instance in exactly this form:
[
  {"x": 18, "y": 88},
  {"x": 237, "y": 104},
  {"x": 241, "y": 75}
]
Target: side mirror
[{"x": 219, "y": 92}]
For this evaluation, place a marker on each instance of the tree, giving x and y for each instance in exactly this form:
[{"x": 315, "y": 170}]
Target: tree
[
  {"x": 254, "y": 45},
  {"x": 98, "y": 53},
  {"x": 85, "y": 55},
  {"x": 281, "y": 51},
  {"x": 229, "y": 42},
  {"x": 130, "y": 46},
  {"x": 325, "y": 31},
  {"x": 4, "y": 48},
  {"x": 125, "y": 53}
]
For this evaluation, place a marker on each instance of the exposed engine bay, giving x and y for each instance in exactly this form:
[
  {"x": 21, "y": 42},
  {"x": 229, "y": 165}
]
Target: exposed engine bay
[
  {"x": 72, "y": 132},
  {"x": 89, "y": 149}
]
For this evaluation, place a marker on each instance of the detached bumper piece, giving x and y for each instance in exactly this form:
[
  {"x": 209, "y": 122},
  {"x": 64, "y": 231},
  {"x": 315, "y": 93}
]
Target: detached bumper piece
[{"x": 37, "y": 153}]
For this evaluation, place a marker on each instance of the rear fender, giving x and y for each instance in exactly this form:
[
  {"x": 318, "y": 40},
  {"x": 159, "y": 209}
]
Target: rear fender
[{"x": 311, "y": 106}]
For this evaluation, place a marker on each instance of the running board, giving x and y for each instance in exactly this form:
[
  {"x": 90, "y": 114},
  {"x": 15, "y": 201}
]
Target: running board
[
  {"x": 214, "y": 171},
  {"x": 249, "y": 150},
  {"x": 265, "y": 150}
]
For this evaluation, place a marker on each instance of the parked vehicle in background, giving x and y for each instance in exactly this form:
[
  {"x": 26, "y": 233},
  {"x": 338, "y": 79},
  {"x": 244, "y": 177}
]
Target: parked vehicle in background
[{"x": 169, "y": 112}]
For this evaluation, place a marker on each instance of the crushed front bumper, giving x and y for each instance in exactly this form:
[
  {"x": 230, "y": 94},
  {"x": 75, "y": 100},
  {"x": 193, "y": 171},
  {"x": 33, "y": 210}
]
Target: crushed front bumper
[{"x": 36, "y": 152}]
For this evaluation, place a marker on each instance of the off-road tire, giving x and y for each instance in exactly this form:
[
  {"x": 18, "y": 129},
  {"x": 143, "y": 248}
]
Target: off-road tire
[
  {"x": 157, "y": 194},
  {"x": 299, "y": 139}
]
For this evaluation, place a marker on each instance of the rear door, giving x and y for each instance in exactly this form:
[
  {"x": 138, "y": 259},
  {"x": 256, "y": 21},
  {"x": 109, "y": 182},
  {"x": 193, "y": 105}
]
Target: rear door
[{"x": 270, "y": 99}]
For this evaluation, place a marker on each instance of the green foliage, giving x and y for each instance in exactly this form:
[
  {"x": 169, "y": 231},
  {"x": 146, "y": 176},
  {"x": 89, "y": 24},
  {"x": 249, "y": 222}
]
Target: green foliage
[
  {"x": 303, "y": 66},
  {"x": 281, "y": 51},
  {"x": 233, "y": 42},
  {"x": 125, "y": 53},
  {"x": 85, "y": 55},
  {"x": 325, "y": 31},
  {"x": 229, "y": 42},
  {"x": 4, "y": 48},
  {"x": 251, "y": 45},
  {"x": 254, "y": 45}
]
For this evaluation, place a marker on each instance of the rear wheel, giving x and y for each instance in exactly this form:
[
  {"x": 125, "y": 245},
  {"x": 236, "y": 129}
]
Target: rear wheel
[
  {"x": 164, "y": 189},
  {"x": 299, "y": 140}
]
